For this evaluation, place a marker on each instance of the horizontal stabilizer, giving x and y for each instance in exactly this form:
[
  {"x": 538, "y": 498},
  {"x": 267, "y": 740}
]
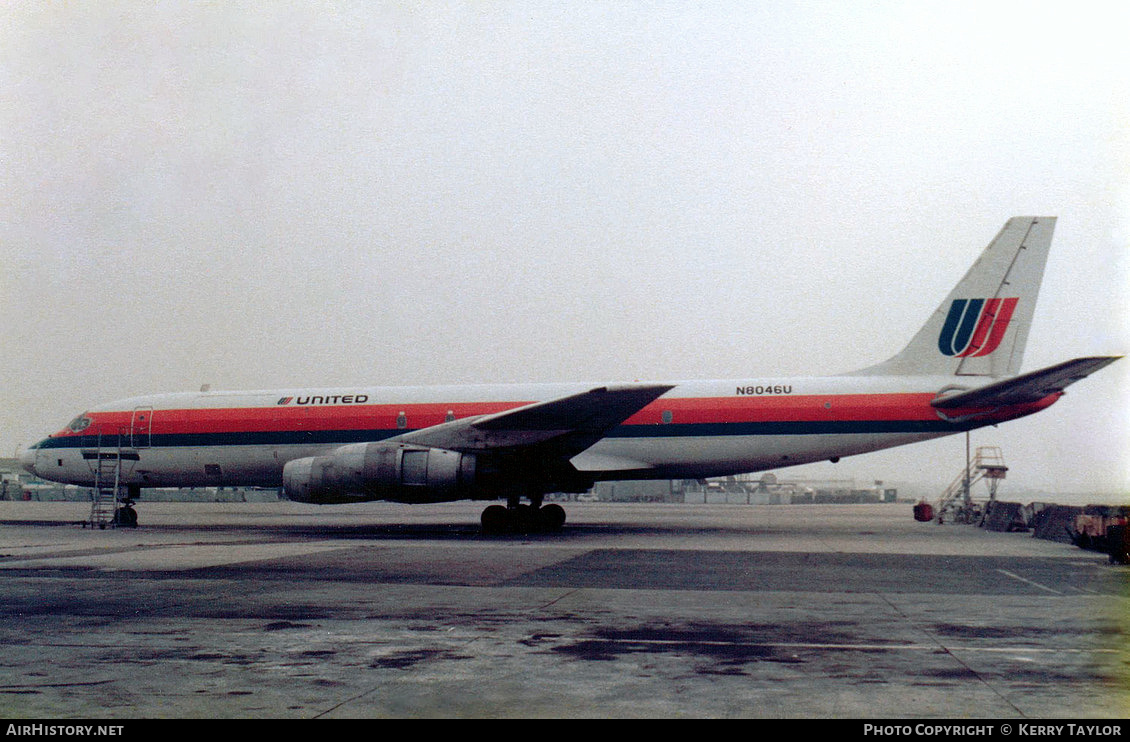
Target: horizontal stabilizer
[{"x": 1029, "y": 387}]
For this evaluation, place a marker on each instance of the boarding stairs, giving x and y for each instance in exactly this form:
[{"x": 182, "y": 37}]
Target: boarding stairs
[
  {"x": 105, "y": 502},
  {"x": 956, "y": 503}
]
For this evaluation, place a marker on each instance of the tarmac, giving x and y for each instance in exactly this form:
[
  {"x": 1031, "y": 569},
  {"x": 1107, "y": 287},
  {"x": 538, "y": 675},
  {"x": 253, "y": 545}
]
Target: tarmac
[{"x": 379, "y": 610}]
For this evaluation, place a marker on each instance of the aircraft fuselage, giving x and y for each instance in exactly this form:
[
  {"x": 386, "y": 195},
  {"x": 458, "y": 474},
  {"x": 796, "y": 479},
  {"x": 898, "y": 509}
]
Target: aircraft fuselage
[{"x": 697, "y": 429}]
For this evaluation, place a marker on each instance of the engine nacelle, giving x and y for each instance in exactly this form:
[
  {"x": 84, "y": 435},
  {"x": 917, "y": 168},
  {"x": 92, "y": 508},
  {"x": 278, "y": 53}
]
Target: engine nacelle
[{"x": 382, "y": 471}]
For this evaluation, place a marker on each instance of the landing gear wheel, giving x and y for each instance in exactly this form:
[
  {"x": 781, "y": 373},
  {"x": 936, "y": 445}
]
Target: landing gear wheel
[
  {"x": 522, "y": 519},
  {"x": 552, "y": 517},
  {"x": 127, "y": 516},
  {"x": 496, "y": 519}
]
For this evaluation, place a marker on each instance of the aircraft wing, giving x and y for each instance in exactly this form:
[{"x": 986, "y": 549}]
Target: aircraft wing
[
  {"x": 1029, "y": 387},
  {"x": 562, "y": 427}
]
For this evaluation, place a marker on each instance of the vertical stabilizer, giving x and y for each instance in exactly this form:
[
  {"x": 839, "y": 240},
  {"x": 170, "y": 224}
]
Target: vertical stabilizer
[{"x": 982, "y": 326}]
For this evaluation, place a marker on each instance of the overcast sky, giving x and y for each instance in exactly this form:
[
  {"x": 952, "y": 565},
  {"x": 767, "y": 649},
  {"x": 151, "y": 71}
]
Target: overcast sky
[{"x": 317, "y": 194}]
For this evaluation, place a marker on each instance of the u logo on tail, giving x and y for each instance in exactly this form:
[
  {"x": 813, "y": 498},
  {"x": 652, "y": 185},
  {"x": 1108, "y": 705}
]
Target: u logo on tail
[{"x": 975, "y": 327}]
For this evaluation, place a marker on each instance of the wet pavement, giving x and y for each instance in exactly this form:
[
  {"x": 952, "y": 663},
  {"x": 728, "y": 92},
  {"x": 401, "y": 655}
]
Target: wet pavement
[{"x": 384, "y": 610}]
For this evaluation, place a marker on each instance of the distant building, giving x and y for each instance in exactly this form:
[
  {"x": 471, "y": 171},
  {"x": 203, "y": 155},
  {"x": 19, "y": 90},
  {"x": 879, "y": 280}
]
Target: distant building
[{"x": 746, "y": 489}]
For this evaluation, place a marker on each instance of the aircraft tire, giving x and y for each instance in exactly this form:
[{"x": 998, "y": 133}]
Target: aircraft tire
[
  {"x": 127, "y": 517},
  {"x": 552, "y": 516},
  {"x": 522, "y": 519},
  {"x": 496, "y": 519}
]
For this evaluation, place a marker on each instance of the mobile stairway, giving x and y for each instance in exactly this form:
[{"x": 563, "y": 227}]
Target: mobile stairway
[
  {"x": 957, "y": 504},
  {"x": 110, "y": 504}
]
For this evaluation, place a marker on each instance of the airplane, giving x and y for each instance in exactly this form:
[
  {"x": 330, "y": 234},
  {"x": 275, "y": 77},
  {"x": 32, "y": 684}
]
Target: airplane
[{"x": 961, "y": 371}]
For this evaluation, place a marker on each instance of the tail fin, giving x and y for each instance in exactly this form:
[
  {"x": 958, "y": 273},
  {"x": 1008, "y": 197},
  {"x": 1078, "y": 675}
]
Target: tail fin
[{"x": 982, "y": 326}]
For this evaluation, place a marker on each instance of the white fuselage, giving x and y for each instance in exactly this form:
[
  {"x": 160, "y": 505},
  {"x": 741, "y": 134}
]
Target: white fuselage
[{"x": 698, "y": 429}]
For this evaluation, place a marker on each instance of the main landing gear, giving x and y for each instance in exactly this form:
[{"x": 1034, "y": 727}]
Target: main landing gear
[{"x": 523, "y": 518}]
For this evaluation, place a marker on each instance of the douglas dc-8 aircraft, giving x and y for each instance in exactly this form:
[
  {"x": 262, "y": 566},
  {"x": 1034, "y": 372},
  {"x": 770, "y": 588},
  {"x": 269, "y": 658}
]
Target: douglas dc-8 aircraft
[{"x": 437, "y": 444}]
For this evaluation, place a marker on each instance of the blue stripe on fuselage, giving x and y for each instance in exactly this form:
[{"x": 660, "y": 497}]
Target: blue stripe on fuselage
[{"x": 668, "y": 430}]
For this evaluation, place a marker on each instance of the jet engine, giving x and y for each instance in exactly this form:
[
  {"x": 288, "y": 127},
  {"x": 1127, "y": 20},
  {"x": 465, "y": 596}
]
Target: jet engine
[{"x": 382, "y": 471}]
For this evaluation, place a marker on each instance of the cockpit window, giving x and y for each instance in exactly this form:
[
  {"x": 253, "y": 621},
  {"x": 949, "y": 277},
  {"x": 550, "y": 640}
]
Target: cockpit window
[{"x": 79, "y": 424}]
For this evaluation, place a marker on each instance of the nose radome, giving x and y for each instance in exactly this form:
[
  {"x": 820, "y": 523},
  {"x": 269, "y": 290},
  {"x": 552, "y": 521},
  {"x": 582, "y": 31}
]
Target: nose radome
[{"x": 27, "y": 460}]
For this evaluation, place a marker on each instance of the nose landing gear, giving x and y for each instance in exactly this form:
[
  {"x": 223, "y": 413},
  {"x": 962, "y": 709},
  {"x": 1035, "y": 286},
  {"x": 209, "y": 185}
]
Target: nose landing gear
[{"x": 127, "y": 516}]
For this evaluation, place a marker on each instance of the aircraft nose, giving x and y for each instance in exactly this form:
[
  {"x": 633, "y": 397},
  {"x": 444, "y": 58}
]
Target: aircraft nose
[{"x": 27, "y": 460}]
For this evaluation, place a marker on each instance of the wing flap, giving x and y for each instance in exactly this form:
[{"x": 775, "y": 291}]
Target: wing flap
[
  {"x": 589, "y": 462},
  {"x": 1029, "y": 387}
]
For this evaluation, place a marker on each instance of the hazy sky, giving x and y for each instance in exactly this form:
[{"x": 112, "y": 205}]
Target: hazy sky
[{"x": 313, "y": 194}]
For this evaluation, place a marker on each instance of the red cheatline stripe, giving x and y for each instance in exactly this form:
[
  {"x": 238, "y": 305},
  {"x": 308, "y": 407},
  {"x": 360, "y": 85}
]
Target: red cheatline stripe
[{"x": 791, "y": 408}]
